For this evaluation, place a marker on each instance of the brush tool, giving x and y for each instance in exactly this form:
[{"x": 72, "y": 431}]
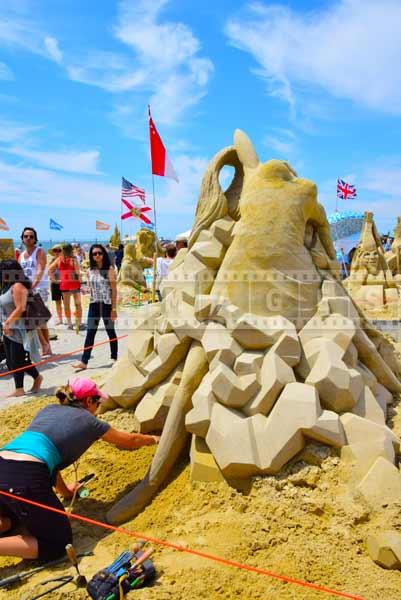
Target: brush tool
[{"x": 81, "y": 579}]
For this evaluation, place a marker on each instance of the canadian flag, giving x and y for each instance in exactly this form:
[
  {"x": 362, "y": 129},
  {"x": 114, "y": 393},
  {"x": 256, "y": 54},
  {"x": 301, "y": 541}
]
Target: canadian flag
[{"x": 161, "y": 164}]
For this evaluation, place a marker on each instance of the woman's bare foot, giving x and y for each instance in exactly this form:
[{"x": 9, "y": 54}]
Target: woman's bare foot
[
  {"x": 80, "y": 366},
  {"x": 36, "y": 384},
  {"x": 16, "y": 393},
  {"x": 46, "y": 350}
]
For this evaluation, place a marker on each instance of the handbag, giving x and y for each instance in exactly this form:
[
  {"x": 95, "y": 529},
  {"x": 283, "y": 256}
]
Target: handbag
[{"x": 36, "y": 312}]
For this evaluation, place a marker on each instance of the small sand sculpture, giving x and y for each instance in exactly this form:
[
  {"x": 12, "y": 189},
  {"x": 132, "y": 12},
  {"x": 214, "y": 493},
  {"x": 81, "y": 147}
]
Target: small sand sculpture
[
  {"x": 371, "y": 283},
  {"x": 135, "y": 260},
  {"x": 257, "y": 347}
]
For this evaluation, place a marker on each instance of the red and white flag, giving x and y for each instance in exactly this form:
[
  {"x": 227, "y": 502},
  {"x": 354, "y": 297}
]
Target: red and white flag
[{"x": 161, "y": 164}]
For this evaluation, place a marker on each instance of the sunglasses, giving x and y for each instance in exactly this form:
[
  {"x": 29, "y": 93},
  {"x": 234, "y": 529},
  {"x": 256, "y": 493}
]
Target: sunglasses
[
  {"x": 29, "y": 236},
  {"x": 96, "y": 399},
  {"x": 56, "y": 251},
  {"x": 97, "y": 253}
]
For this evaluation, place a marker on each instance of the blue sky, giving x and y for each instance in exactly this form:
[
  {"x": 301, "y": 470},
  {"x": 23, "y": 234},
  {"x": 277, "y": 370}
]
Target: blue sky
[{"x": 316, "y": 83}]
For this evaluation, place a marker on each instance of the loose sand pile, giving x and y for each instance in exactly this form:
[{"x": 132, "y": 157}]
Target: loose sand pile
[{"x": 302, "y": 524}]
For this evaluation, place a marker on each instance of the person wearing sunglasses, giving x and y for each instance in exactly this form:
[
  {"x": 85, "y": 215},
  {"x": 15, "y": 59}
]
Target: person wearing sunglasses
[
  {"x": 103, "y": 302},
  {"x": 31, "y": 465},
  {"x": 33, "y": 261},
  {"x": 56, "y": 293}
]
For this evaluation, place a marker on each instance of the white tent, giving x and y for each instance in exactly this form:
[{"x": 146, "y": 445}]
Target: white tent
[{"x": 183, "y": 236}]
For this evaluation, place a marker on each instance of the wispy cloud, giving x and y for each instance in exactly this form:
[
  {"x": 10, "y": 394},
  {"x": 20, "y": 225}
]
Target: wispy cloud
[
  {"x": 10, "y": 131},
  {"x": 19, "y": 140},
  {"x": 32, "y": 187},
  {"x": 70, "y": 161},
  {"x": 162, "y": 62},
  {"x": 181, "y": 198},
  {"x": 282, "y": 143},
  {"x": 53, "y": 50},
  {"x": 349, "y": 48},
  {"x": 6, "y": 73}
]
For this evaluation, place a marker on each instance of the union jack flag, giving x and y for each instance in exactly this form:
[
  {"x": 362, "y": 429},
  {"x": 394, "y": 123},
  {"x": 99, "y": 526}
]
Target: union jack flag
[
  {"x": 345, "y": 190},
  {"x": 129, "y": 190}
]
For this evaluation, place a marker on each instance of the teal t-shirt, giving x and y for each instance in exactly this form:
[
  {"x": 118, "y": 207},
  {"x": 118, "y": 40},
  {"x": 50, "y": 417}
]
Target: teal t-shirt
[{"x": 38, "y": 445}]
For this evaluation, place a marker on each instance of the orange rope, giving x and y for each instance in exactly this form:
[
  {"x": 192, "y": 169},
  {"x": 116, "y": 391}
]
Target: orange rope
[
  {"x": 53, "y": 358},
  {"x": 218, "y": 559}
]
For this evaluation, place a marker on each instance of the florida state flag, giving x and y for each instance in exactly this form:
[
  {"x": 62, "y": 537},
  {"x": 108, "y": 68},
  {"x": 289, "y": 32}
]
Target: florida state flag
[{"x": 161, "y": 164}]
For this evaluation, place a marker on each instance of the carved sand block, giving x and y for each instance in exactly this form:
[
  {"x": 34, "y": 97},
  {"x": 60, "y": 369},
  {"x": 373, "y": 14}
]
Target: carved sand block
[
  {"x": 152, "y": 410},
  {"x": 274, "y": 376},
  {"x": 203, "y": 464},
  {"x": 381, "y": 484},
  {"x": 385, "y": 549}
]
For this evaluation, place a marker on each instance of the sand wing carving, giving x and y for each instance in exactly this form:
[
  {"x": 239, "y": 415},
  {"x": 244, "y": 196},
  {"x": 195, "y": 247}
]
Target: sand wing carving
[{"x": 256, "y": 347}]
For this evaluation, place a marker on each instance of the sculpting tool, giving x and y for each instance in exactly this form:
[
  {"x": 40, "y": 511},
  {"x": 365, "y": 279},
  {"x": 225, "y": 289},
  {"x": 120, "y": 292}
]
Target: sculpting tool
[{"x": 81, "y": 579}]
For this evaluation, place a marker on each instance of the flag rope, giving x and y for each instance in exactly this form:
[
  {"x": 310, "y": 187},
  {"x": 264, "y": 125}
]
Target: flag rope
[{"x": 179, "y": 548}]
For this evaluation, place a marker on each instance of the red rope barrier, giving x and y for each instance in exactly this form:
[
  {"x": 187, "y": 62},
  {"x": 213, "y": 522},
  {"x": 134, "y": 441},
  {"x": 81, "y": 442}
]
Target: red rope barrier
[
  {"x": 218, "y": 559},
  {"x": 52, "y": 358}
]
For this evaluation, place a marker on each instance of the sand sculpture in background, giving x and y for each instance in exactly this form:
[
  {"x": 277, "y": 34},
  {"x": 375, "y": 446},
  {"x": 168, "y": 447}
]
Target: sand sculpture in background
[
  {"x": 393, "y": 256},
  {"x": 115, "y": 239},
  {"x": 135, "y": 260},
  {"x": 257, "y": 347},
  {"x": 371, "y": 283}
]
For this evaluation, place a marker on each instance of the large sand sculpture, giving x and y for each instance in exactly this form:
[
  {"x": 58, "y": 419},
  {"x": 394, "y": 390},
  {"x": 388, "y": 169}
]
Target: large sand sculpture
[
  {"x": 371, "y": 283},
  {"x": 257, "y": 347}
]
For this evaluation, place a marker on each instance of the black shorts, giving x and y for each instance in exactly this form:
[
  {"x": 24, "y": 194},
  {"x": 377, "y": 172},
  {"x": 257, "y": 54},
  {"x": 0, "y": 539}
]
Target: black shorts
[
  {"x": 57, "y": 294},
  {"x": 31, "y": 480}
]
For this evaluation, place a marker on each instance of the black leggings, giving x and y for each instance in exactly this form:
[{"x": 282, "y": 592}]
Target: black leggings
[
  {"x": 97, "y": 311},
  {"x": 16, "y": 357},
  {"x": 31, "y": 480}
]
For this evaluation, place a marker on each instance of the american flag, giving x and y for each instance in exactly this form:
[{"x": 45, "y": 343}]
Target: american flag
[
  {"x": 345, "y": 190},
  {"x": 129, "y": 190}
]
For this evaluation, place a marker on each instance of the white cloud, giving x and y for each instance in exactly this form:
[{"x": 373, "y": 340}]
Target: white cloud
[
  {"x": 350, "y": 48},
  {"x": 5, "y": 72},
  {"x": 32, "y": 187},
  {"x": 53, "y": 50},
  {"x": 282, "y": 143},
  {"x": 70, "y": 162},
  {"x": 11, "y": 131},
  {"x": 162, "y": 62},
  {"x": 182, "y": 198}
]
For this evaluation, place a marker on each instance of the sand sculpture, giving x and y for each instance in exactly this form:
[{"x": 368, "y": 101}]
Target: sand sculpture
[
  {"x": 115, "y": 239},
  {"x": 371, "y": 283},
  {"x": 257, "y": 347},
  {"x": 131, "y": 276},
  {"x": 393, "y": 256}
]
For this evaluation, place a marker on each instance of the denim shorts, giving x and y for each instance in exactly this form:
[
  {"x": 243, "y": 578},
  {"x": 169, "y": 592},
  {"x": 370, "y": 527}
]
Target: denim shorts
[{"x": 32, "y": 480}]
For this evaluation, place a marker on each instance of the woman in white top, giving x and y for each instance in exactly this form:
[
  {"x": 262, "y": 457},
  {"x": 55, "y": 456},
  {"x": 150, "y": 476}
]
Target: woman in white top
[
  {"x": 34, "y": 264},
  {"x": 103, "y": 302}
]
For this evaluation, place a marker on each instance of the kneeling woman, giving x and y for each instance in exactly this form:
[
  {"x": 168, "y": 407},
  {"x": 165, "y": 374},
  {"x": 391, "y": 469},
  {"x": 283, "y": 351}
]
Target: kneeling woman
[{"x": 30, "y": 465}]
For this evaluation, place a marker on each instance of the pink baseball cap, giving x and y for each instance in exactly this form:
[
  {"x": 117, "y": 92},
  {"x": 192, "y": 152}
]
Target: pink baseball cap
[{"x": 82, "y": 388}]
